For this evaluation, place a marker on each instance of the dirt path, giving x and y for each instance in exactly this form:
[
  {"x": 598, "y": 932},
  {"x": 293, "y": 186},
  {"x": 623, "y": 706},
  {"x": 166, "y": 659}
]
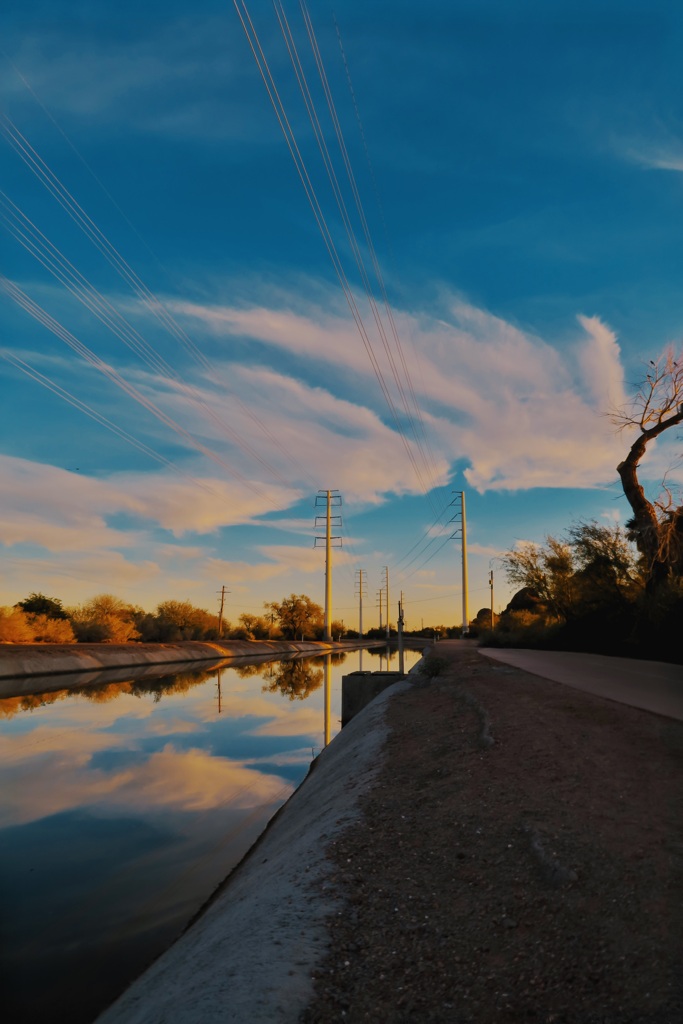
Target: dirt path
[{"x": 520, "y": 859}]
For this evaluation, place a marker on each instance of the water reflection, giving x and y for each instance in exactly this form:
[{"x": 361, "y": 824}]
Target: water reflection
[
  {"x": 294, "y": 679},
  {"x": 126, "y": 803},
  {"x": 328, "y": 699}
]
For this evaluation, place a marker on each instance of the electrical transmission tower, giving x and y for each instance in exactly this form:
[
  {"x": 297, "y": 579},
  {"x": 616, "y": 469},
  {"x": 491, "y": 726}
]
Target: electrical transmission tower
[
  {"x": 379, "y": 600},
  {"x": 388, "y": 605},
  {"x": 330, "y": 499},
  {"x": 461, "y": 530}
]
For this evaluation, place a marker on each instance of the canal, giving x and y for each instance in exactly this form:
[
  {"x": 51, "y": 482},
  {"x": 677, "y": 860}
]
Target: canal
[{"x": 125, "y": 804}]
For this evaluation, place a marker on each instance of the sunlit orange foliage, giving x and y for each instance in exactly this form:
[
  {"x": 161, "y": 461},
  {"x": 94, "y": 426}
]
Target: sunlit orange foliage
[
  {"x": 11, "y": 706},
  {"x": 51, "y": 631},
  {"x": 15, "y": 627}
]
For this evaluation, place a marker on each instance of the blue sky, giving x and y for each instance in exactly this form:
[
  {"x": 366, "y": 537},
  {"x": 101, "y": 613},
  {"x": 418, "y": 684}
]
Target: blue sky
[{"x": 520, "y": 172}]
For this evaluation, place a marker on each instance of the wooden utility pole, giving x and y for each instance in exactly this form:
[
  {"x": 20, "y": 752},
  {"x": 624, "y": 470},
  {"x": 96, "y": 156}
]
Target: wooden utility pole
[
  {"x": 491, "y": 586},
  {"x": 222, "y": 592}
]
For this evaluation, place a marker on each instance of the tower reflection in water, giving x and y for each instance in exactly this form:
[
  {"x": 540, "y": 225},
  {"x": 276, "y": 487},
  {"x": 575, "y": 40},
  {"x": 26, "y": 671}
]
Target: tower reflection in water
[{"x": 328, "y": 696}]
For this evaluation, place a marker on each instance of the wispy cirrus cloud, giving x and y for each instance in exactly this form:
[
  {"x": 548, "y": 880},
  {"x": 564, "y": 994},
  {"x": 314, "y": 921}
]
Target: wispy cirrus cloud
[
  {"x": 75, "y": 516},
  {"x": 154, "y": 81},
  {"x": 658, "y": 156},
  {"x": 519, "y": 410}
]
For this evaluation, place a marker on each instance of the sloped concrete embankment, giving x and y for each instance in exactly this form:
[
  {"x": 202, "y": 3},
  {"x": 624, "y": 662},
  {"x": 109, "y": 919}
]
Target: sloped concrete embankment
[
  {"x": 23, "y": 660},
  {"x": 250, "y": 955}
]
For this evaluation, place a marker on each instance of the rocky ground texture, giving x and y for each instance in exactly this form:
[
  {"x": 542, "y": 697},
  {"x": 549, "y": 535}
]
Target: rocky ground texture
[{"x": 519, "y": 859}]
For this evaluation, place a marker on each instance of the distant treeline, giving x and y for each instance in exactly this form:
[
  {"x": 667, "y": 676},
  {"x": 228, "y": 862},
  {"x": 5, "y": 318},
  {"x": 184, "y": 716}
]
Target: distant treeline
[{"x": 108, "y": 619}]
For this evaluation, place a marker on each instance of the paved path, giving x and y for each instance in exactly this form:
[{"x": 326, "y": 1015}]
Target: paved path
[{"x": 650, "y": 685}]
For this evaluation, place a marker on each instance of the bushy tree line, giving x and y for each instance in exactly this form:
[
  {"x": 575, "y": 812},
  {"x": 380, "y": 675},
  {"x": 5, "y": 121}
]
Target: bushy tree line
[
  {"x": 588, "y": 591},
  {"x": 107, "y": 619}
]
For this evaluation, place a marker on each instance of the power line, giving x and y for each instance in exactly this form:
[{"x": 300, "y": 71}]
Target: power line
[
  {"x": 419, "y": 435},
  {"x": 302, "y": 171},
  {"x": 75, "y": 211},
  {"x": 104, "y": 421},
  {"x": 23, "y": 300}
]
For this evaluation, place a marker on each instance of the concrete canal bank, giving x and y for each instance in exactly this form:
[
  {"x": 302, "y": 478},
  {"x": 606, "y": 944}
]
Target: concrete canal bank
[
  {"x": 22, "y": 665},
  {"x": 251, "y": 954}
]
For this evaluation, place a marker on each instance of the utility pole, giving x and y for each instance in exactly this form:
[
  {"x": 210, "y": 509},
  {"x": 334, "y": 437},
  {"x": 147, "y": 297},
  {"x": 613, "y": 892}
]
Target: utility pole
[
  {"x": 361, "y": 583},
  {"x": 379, "y": 595},
  {"x": 400, "y": 634},
  {"x": 462, "y": 530},
  {"x": 491, "y": 586},
  {"x": 220, "y": 695},
  {"x": 386, "y": 586},
  {"x": 222, "y": 592},
  {"x": 329, "y": 499}
]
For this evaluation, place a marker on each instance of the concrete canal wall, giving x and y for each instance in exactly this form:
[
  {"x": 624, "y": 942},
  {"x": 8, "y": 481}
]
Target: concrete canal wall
[
  {"x": 251, "y": 955},
  {"x": 18, "y": 660}
]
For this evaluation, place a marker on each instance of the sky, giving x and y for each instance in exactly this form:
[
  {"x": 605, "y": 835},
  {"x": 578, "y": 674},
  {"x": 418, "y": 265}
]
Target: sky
[{"x": 430, "y": 257}]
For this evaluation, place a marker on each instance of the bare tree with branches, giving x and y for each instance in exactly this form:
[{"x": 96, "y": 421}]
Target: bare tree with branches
[{"x": 656, "y": 526}]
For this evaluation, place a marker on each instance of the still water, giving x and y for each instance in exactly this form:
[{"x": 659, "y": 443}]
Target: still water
[{"x": 125, "y": 804}]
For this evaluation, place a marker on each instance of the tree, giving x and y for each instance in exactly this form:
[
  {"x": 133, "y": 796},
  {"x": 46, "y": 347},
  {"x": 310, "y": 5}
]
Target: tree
[
  {"x": 656, "y": 526},
  {"x": 49, "y": 630},
  {"x": 254, "y": 627},
  {"x": 181, "y": 620},
  {"x": 15, "y": 627},
  {"x": 606, "y": 567},
  {"x": 546, "y": 571},
  {"x": 563, "y": 579},
  {"x": 39, "y": 604},
  {"x": 337, "y": 630},
  {"x": 19, "y": 627},
  {"x": 104, "y": 619},
  {"x": 295, "y": 679},
  {"x": 298, "y": 617}
]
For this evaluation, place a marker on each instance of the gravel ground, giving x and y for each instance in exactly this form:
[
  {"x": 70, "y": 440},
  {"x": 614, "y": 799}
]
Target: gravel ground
[{"x": 519, "y": 858}]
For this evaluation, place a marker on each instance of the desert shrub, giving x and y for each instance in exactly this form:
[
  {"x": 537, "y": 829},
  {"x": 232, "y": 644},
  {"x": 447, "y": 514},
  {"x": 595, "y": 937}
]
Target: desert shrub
[
  {"x": 47, "y": 630},
  {"x": 433, "y": 666},
  {"x": 15, "y": 627},
  {"x": 181, "y": 620},
  {"x": 104, "y": 619},
  {"x": 522, "y": 628}
]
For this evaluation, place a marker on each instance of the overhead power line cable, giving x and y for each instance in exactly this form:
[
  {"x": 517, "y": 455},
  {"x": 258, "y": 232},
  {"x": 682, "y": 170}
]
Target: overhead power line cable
[
  {"x": 78, "y": 215},
  {"x": 328, "y": 164},
  {"x": 98, "y": 417},
  {"x": 311, "y": 195},
  {"x": 427, "y": 560},
  {"x": 361, "y": 131},
  {"x": 39, "y": 314},
  {"x": 426, "y": 534},
  {"x": 40, "y": 247},
  {"x": 414, "y": 415}
]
